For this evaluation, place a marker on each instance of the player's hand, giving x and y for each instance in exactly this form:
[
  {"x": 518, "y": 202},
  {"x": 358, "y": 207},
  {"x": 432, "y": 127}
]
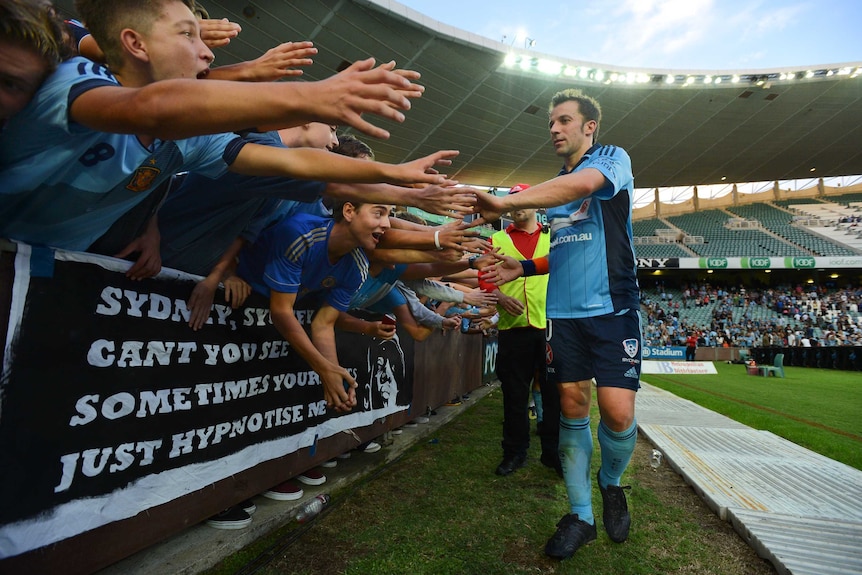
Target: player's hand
[
  {"x": 490, "y": 207},
  {"x": 506, "y": 270}
]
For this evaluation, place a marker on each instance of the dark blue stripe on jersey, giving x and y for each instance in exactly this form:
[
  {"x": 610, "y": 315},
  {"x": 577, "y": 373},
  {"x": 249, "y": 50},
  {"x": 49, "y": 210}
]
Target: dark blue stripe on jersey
[
  {"x": 622, "y": 274},
  {"x": 86, "y": 86},
  {"x": 583, "y": 159},
  {"x": 231, "y": 151},
  {"x": 77, "y": 31}
]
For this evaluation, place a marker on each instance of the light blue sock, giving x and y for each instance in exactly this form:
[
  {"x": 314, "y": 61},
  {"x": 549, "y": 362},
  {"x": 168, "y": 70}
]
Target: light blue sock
[
  {"x": 537, "y": 400},
  {"x": 576, "y": 452},
  {"x": 617, "y": 449}
]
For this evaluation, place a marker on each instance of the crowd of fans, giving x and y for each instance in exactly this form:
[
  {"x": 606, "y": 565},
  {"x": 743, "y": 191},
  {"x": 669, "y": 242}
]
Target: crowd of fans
[
  {"x": 119, "y": 137},
  {"x": 783, "y": 316}
]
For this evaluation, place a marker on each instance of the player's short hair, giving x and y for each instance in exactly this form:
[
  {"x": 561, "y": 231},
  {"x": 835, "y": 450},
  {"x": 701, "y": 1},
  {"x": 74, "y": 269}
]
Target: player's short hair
[{"x": 587, "y": 105}]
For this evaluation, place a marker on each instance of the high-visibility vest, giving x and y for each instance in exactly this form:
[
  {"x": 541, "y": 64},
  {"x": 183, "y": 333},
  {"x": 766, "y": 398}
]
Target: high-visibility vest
[{"x": 531, "y": 291}]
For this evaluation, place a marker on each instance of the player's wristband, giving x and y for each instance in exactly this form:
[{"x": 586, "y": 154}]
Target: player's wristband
[
  {"x": 529, "y": 267},
  {"x": 471, "y": 261},
  {"x": 437, "y": 240}
]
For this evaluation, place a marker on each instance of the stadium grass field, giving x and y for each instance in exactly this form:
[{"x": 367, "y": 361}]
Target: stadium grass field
[{"x": 816, "y": 408}]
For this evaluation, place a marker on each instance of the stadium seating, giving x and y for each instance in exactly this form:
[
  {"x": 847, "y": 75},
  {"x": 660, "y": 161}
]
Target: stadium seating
[
  {"x": 779, "y": 222},
  {"x": 730, "y": 242},
  {"x": 660, "y": 251}
]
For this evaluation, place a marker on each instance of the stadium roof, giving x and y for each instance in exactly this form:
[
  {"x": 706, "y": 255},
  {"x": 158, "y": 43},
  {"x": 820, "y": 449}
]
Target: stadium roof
[{"x": 762, "y": 128}]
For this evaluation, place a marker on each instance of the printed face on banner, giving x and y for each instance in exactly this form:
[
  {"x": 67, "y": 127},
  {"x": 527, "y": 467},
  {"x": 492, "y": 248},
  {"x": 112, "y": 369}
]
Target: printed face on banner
[{"x": 386, "y": 367}]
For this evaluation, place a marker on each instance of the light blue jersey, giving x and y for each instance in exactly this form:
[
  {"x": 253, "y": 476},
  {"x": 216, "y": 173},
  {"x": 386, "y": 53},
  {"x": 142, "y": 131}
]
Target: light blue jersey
[
  {"x": 63, "y": 184},
  {"x": 592, "y": 262}
]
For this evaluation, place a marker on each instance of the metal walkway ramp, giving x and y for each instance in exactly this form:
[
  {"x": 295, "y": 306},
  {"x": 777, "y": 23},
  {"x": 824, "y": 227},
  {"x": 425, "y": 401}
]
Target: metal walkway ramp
[{"x": 796, "y": 508}]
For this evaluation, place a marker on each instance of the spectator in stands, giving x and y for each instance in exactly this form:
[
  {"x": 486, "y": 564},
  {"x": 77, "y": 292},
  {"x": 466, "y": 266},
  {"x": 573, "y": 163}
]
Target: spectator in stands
[
  {"x": 594, "y": 317},
  {"x": 141, "y": 48}
]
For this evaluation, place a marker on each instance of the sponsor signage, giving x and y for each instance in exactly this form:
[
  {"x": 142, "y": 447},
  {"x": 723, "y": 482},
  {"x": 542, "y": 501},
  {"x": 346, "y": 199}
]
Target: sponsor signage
[
  {"x": 756, "y": 263},
  {"x": 803, "y": 262},
  {"x": 752, "y": 262},
  {"x": 678, "y": 368},
  {"x": 658, "y": 263},
  {"x": 663, "y": 352},
  {"x": 713, "y": 263}
]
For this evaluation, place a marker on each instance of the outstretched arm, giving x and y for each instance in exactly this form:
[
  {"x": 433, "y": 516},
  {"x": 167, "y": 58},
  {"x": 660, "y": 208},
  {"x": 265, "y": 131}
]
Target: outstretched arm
[
  {"x": 556, "y": 192},
  {"x": 161, "y": 109},
  {"x": 378, "y": 329},
  {"x": 277, "y": 63},
  {"x": 435, "y": 199},
  {"x": 314, "y": 164}
]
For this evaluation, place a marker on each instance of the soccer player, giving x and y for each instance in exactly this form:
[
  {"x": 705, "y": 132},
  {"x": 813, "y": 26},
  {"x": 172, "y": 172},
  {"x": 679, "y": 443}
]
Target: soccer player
[{"x": 594, "y": 326}]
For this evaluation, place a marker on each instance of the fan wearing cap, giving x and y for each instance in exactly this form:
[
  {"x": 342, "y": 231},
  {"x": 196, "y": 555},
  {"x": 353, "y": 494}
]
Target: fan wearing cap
[{"x": 521, "y": 341}]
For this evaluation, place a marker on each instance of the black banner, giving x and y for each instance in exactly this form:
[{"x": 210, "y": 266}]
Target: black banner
[{"x": 110, "y": 402}]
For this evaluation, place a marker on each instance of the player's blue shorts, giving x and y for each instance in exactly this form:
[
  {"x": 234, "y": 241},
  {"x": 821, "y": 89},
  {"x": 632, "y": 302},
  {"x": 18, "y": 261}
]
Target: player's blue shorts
[{"x": 606, "y": 347}]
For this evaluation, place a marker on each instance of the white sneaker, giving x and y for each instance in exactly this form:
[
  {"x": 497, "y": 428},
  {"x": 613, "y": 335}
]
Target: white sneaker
[
  {"x": 422, "y": 419},
  {"x": 329, "y": 464},
  {"x": 397, "y": 431},
  {"x": 372, "y": 447}
]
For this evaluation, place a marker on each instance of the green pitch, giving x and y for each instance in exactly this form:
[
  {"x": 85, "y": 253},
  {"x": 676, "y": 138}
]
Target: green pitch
[{"x": 819, "y": 409}]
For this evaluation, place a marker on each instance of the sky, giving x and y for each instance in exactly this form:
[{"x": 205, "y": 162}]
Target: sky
[{"x": 667, "y": 34}]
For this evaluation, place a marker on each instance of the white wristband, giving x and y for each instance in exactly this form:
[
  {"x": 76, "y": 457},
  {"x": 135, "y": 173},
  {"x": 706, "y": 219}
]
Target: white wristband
[{"x": 437, "y": 240}]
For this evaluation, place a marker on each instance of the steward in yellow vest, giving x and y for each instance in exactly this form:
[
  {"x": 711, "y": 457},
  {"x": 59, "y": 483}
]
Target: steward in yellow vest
[{"x": 521, "y": 343}]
